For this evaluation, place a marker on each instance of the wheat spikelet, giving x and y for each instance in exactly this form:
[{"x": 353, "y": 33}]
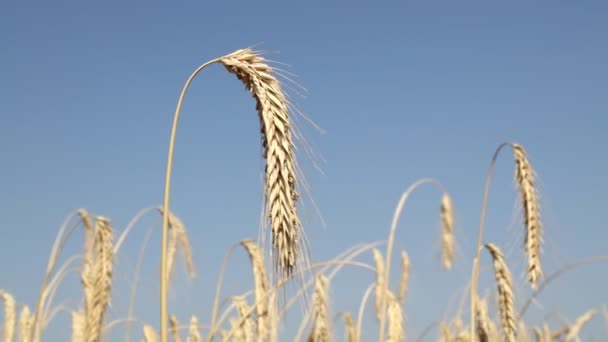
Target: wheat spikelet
[
  {"x": 150, "y": 334},
  {"x": 404, "y": 279},
  {"x": 349, "y": 327},
  {"x": 524, "y": 174},
  {"x": 10, "y": 315},
  {"x": 101, "y": 280},
  {"x": 380, "y": 295},
  {"x": 25, "y": 324},
  {"x": 260, "y": 288},
  {"x": 174, "y": 328},
  {"x": 194, "y": 334},
  {"x": 77, "y": 326},
  {"x": 396, "y": 330},
  {"x": 447, "y": 231},
  {"x": 580, "y": 322},
  {"x": 504, "y": 286},
  {"x": 247, "y": 325},
  {"x": 280, "y": 181},
  {"x": 321, "y": 330}
]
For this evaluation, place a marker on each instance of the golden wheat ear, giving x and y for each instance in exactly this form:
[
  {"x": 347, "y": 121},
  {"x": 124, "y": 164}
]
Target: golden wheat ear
[
  {"x": 10, "y": 315},
  {"x": 504, "y": 285},
  {"x": 281, "y": 195},
  {"x": 321, "y": 330}
]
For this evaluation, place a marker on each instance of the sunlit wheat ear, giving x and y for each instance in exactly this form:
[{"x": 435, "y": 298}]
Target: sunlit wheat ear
[
  {"x": 150, "y": 334},
  {"x": 10, "y": 315},
  {"x": 542, "y": 334},
  {"x": 504, "y": 285},
  {"x": 247, "y": 325},
  {"x": 260, "y": 288},
  {"x": 280, "y": 180},
  {"x": 25, "y": 324},
  {"x": 194, "y": 334},
  {"x": 379, "y": 260},
  {"x": 174, "y": 328},
  {"x": 77, "y": 326},
  {"x": 522, "y": 332},
  {"x": 524, "y": 174},
  {"x": 321, "y": 330},
  {"x": 101, "y": 280},
  {"x": 178, "y": 238},
  {"x": 447, "y": 232},
  {"x": 580, "y": 322},
  {"x": 404, "y": 279},
  {"x": 482, "y": 320},
  {"x": 349, "y": 327},
  {"x": 396, "y": 330},
  {"x": 445, "y": 335}
]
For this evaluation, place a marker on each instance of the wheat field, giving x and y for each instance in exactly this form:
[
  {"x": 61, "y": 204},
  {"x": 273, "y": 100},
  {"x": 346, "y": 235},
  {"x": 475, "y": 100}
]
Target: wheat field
[{"x": 284, "y": 261}]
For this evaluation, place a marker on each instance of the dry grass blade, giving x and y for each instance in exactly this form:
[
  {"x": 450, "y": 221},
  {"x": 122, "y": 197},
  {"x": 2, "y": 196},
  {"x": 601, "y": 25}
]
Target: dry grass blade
[
  {"x": 77, "y": 326},
  {"x": 150, "y": 334},
  {"x": 280, "y": 180},
  {"x": 379, "y": 260},
  {"x": 504, "y": 285},
  {"x": 99, "y": 281},
  {"x": 404, "y": 279},
  {"x": 524, "y": 174},
  {"x": 174, "y": 328},
  {"x": 580, "y": 322},
  {"x": 260, "y": 288},
  {"x": 349, "y": 327},
  {"x": 25, "y": 324},
  {"x": 10, "y": 315},
  {"x": 447, "y": 232},
  {"x": 321, "y": 330},
  {"x": 396, "y": 330},
  {"x": 194, "y": 334}
]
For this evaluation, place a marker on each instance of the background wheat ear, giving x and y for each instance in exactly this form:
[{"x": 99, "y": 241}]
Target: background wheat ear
[
  {"x": 504, "y": 285},
  {"x": 447, "y": 231},
  {"x": 524, "y": 174},
  {"x": 281, "y": 195},
  {"x": 10, "y": 315}
]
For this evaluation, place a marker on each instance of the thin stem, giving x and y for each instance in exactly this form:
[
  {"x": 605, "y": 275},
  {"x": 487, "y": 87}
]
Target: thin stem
[
  {"x": 165, "y": 231},
  {"x": 484, "y": 204}
]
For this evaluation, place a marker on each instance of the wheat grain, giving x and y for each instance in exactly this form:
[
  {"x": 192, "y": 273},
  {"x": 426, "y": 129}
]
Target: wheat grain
[
  {"x": 260, "y": 288},
  {"x": 404, "y": 279},
  {"x": 321, "y": 330},
  {"x": 524, "y": 174},
  {"x": 10, "y": 314},
  {"x": 504, "y": 286},
  {"x": 447, "y": 231},
  {"x": 280, "y": 181}
]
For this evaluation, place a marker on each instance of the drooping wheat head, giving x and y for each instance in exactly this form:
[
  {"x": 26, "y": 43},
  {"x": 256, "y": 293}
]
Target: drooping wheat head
[
  {"x": 404, "y": 279},
  {"x": 524, "y": 174},
  {"x": 99, "y": 281},
  {"x": 278, "y": 150},
  {"x": 10, "y": 315},
  {"x": 504, "y": 285},
  {"x": 380, "y": 294},
  {"x": 178, "y": 238},
  {"x": 447, "y": 232},
  {"x": 321, "y": 330},
  {"x": 260, "y": 289}
]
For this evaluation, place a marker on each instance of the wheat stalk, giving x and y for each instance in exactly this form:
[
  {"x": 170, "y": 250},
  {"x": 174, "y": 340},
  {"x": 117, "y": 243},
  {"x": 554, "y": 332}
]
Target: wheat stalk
[
  {"x": 447, "y": 232},
  {"x": 524, "y": 174},
  {"x": 193, "y": 333},
  {"x": 99, "y": 282},
  {"x": 280, "y": 183},
  {"x": 504, "y": 285},
  {"x": 321, "y": 330},
  {"x": 260, "y": 288},
  {"x": 10, "y": 314}
]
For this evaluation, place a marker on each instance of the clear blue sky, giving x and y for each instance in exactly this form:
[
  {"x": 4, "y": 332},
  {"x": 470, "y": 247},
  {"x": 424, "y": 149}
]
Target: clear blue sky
[{"x": 404, "y": 91}]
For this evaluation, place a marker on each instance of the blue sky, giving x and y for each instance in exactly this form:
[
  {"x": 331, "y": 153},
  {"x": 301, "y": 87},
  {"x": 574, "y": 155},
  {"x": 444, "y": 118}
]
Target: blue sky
[{"x": 403, "y": 91}]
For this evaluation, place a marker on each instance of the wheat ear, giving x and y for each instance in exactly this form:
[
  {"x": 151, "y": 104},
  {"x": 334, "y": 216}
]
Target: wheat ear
[
  {"x": 447, "y": 232},
  {"x": 194, "y": 334},
  {"x": 174, "y": 328},
  {"x": 101, "y": 280},
  {"x": 404, "y": 279},
  {"x": 150, "y": 334},
  {"x": 580, "y": 322},
  {"x": 524, "y": 174},
  {"x": 25, "y": 324},
  {"x": 321, "y": 330},
  {"x": 245, "y": 325},
  {"x": 280, "y": 183},
  {"x": 504, "y": 285},
  {"x": 349, "y": 327},
  {"x": 178, "y": 237},
  {"x": 10, "y": 314},
  {"x": 396, "y": 330},
  {"x": 380, "y": 282},
  {"x": 260, "y": 288}
]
